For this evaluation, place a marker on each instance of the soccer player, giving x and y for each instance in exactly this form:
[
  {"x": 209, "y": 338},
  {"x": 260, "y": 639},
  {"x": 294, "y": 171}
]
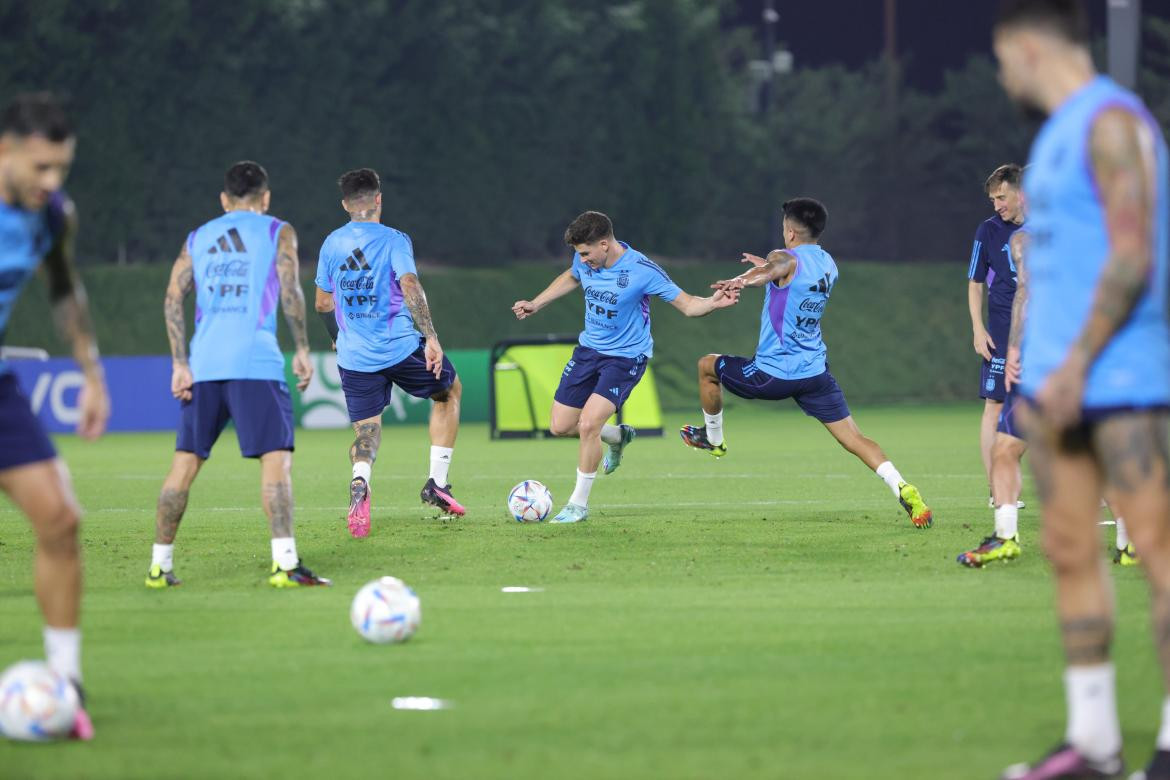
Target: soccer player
[
  {"x": 791, "y": 359},
  {"x": 991, "y": 264},
  {"x": 610, "y": 359},
  {"x": 38, "y": 223},
  {"x": 1095, "y": 379},
  {"x": 239, "y": 265},
  {"x": 372, "y": 303}
]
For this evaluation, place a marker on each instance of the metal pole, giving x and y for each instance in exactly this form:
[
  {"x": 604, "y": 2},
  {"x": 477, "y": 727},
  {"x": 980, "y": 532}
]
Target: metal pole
[
  {"x": 1124, "y": 30},
  {"x": 770, "y": 18}
]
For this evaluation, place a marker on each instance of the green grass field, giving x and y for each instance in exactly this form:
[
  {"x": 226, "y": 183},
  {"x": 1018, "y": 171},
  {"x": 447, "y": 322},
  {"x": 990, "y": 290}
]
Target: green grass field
[{"x": 770, "y": 615}]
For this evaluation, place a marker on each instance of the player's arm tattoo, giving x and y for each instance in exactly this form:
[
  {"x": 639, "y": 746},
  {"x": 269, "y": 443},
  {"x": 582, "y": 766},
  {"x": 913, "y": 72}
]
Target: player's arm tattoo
[
  {"x": 171, "y": 506},
  {"x": 416, "y": 303},
  {"x": 1122, "y": 150},
  {"x": 292, "y": 297},
  {"x": 365, "y": 445},
  {"x": 180, "y": 286},
  {"x": 1087, "y": 639},
  {"x": 70, "y": 307},
  {"x": 278, "y": 502},
  {"x": 1133, "y": 450},
  {"x": 779, "y": 266},
  {"x": 1019, "y": 247}
]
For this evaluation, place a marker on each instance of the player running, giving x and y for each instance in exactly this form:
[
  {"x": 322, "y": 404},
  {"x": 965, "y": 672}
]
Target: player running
[
  {"x": 372, "y": 303},
  {"x": 790, "y": 361},
  {"x": 239, "y": 266},
  {"x": 991, "y": 264},
  {"x": 38, "y": 222},
  {"x": 1096, "y": 369},
  {"x": 614, "y": 347}
]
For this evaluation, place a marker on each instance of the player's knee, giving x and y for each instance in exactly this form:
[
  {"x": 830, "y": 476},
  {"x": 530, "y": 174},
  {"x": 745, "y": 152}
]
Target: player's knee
[
  {"x": 1007, "y": 450},
  {"x": 57, "y": 526},
  {"x": 1069, "y": 552},
  {"x": 562, "y": 427},
  {"x": 589, "y": 428},
  {"x": 451, "y": 395}
]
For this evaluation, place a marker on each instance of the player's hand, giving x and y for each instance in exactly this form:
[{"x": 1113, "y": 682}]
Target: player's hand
[
  {"x": 729, "y": 285},
  {"x": 1061, "y": 396},
  {"x": 983, "y": 343},
  {"x": 333, "y": 345},
  {"x": 181, "y": 381},
  {"x": 523, "y": 309},
  {"x": 94, "y": 402},
  {"x": 755, "y": 260},
  {"x": 434, "y": 355},
  {"x": 302, "y": 367},
  {"x": 1012, "y": 368},
  {"x": 723, "y": 299}
]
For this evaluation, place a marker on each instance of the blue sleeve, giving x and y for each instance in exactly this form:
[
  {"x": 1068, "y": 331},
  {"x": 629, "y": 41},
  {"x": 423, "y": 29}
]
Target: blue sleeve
[
  {"x": 658, "y": 282},
  {"x": 324, "y": 278},
  {"x": 977, "y": 272},
  {"x": 574, "y": 267},
  {"x": 402, "y": 257}
]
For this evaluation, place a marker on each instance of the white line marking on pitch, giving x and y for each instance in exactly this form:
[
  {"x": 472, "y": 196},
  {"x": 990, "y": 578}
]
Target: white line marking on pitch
[
  {"x": 520, "y": 589},
  {"x": 420, "y": 703}
]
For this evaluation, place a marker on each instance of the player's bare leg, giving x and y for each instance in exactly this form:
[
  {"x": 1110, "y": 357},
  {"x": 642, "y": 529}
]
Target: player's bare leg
[
  {"x": 172, "y": 503},
  {"x": 43, "y": 492},
  {"x": 444, "y": 427},
  {"x": 1006, "y": 484},
  {"x": 586, "y": 423},
  {"x": 277, "y": 497},
  {"x": 362, "y": 454},
  {"x": 709, "y": 437},
  {"x": 870, "y": 453},
  {"x": 987, "y": 434}
]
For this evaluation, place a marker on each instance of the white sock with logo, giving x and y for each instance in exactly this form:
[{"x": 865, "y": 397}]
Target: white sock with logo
[
  {"x": 714, "y": 425},
  {"x": 63, "y": 651},
  {"x": 890, "y": 476},
  {"x": 441, "y": 464},
  {"x": 1007, "y": 518},
  {"x": 1093, "y": 726},
  {"x": 611, "y": 434},
  {"x": 1122, "y": 534},
  {"x": 163, "y": 556},
  {"x": 284, "y": 552},
  {"x": 1163, "y": 741},
  {"x": 362, "y": 469},
  {"x": 580, "y": 495}
]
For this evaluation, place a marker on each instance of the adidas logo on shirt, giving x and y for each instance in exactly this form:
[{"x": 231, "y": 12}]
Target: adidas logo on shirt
[
  {"x": 355, "y": 262},
  {"x": 822, "y": 285},
  {"x": 222, "y": 245}
]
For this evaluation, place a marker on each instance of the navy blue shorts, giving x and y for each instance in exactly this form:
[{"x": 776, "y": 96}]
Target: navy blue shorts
[
  {"x": 818, "y": 396},
  {"x": 991, "y": 376},
  {"x": 367, "y": 393},
  {"x": 22, "y": 439},
  {"x": 590, "y": 372},
  {"x": 260, "y": 408},
  {"x": 1009, "y": 422}
]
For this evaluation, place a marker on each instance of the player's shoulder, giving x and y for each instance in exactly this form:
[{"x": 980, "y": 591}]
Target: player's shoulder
[{"x": 644, "y": 264}]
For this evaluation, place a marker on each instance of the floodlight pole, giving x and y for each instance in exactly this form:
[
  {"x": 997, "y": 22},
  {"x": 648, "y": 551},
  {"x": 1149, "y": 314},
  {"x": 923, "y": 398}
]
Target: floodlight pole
[
  {"x": 771, "y": 18},
  {"x": 1124, "y": 32}
]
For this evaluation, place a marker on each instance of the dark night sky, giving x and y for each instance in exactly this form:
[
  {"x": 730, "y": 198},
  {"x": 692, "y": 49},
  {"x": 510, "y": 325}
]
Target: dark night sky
[{"x": 933, "y": 35}]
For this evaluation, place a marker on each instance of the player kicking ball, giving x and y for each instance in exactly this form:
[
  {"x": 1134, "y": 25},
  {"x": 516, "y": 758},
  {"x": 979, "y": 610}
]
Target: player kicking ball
[
  {"x": 614, "y": 347},
  {"x": 791, "y": 359},
  {"x": 372, "y": 303},
  {"x": 239, "y": 265}
]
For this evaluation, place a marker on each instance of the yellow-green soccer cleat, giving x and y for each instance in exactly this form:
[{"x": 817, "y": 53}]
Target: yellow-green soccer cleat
[
  {"x": 1126, "y": 556},
  {"x": 911, "y": 501},
  {"x": 993, "y": 548},
  {"x": 695, "y": 436},
  {"x": 294, "y": 578},
  {"x": 157, "y": 578}
]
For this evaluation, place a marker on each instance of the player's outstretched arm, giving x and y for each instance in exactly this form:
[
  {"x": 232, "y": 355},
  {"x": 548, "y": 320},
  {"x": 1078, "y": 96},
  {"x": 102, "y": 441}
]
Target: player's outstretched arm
[
  {"x": 416, "y": 302},
  {"x": 1122, "y": 153},
  {"x": 777, "y": 267},
  {"x": 72, "y": 314},
  {"x": 292, "y": 301},
  {"x": 1019, "y": 244},
  {"x": 701, "y": 307},
  {"x": 178, "y": 288},
  {"x": 562, "y": 285}
]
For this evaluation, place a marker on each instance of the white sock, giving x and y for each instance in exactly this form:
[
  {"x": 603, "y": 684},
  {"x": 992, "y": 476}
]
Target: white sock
[
  {"x": 580, "y": 495},
  {"x": 362, "y": 469},
  {"x": 611, "y": 434},
  {"x": 890, "y": 476},
  {"x": 163, "y": 556},
  {"x": 1093, "y": 726},
  {"x": 441, "y": 464},
  {"x": 63, "y": 651},
  {"x": 714, "y": 424},
  {"x": 1122, "y": 534},
  {"x": 1007, "y": 518},
  {"x": 1163, "y": 742},
  {"x": 284, "y": 552}
]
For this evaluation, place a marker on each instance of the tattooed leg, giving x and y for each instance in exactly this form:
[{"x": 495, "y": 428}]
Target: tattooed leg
[
  {"x": 276, "y": 484},
  {"x": 1133, "y": 452},
  {"x": 172, "y": 500},
  {"x": 368, "y": 438}
]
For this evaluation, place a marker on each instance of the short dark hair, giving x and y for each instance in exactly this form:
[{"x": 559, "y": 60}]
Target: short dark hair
[
  {"x": 810, "y": 214},
  {"x": 1066, "y": 18},
  {"x": 1009, "y": 174},
  {"x": 245, "y": 179},
  {"x": 587, "y": 228},
  {"x": 359, "y": 183},
  {"x": 37, "y": 113}
]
